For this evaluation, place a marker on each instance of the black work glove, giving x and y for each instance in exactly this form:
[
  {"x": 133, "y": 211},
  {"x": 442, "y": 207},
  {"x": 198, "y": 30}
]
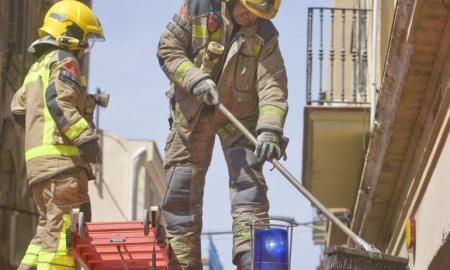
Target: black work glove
[
  {"x": 267, "y": 146},
  {"x": 91, "y": 151},
  {"x": 206, "y": 90}
]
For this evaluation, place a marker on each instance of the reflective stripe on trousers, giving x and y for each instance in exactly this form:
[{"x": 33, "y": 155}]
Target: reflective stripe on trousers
[
  {"x": 54, "y": 199},
  {"x": 31, "y": 255},
  {"x": 57, "y": 260},
  {"x": 44, "y": 260}
]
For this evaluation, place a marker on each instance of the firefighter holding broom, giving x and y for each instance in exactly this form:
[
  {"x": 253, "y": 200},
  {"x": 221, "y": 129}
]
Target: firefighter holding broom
[{"x": 220, "y": 51}]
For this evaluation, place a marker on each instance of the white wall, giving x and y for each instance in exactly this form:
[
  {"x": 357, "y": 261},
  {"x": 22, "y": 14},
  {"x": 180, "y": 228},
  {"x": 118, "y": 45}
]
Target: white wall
[
  {"x": 433, "y": 215},
  {"x": 110, "y": 195}
]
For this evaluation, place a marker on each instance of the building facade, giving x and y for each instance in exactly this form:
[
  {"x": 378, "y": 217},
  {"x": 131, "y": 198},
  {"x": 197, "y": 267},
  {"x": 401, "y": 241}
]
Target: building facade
[
  {"x": 393, "y": 187},
  {"x": 130, "y": 179},
  {"x": 19, "y": 21}
]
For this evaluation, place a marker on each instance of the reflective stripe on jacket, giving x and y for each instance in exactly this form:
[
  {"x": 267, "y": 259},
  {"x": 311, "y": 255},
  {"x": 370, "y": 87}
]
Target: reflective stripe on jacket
[{"x": 52, "y": 99}]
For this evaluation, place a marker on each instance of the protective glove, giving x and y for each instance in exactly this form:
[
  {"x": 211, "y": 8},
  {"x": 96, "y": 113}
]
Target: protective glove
[
  {"x": 267, "y": 146},
  {"x": 206, "y": 90},
  {"x": 91, "y": 151}
]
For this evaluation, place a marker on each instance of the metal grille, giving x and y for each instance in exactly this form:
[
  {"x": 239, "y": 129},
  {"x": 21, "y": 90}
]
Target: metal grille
[{"x": 337, "y": 47}]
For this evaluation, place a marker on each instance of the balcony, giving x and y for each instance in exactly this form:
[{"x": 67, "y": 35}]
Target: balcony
[{"x": 337, "y": 113}]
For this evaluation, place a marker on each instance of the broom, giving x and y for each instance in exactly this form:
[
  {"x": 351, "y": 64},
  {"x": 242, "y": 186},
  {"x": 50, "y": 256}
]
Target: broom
[
  {"x": 342, "y": 258},
  {"x": 337, "y": 258}
]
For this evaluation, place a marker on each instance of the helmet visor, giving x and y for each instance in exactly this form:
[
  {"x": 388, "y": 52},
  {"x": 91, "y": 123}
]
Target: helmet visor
[
  {"x": 96, "y": 37},
  {"x": 91, "y": 40}
]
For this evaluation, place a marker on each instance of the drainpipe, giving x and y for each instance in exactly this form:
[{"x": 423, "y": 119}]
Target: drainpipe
[
  {"x": 373, "y": 72},
  {"x": 134, "y": 162}
]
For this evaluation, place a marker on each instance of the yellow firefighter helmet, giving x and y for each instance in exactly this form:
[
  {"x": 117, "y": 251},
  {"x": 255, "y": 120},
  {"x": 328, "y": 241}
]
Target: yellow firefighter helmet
[
  {"x": 266, "y": 9},
  {"x": 73, "y": 24}
]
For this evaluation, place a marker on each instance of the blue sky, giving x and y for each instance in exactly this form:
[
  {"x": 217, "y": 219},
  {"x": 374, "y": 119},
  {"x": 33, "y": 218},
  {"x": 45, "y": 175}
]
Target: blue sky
[{"x": 126, "y": 66}]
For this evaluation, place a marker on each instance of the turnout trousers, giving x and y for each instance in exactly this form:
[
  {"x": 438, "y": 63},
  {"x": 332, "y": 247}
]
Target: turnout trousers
[
  {"x": 186, "y": 163},
  {"x": 54, "y": 198}
]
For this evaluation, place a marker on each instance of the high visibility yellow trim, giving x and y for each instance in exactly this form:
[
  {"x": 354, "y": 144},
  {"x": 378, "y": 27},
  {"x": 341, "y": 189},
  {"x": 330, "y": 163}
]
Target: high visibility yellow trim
[
  {"x": 40, "y": 70},
  {"x": 181, "y": 248},
  {"x": 31, "y": 256},
  {"x": 179, "y": 116},
  {"x": 272, "y": 110},
  {"x": 76, "y": 129},
  {"x": 31, "y": 77},
  {"x": 256, "y": 50},
  {"x": 55, "y": 261},
  {"x": 227, "y": 129},
  {"x": 199, "y": 31},
  {"x": 47, "y": 148},
  {"x": 49, "y": 123},
  {"x": 49, "y": 126},
  {"x": 202, "y": 32},
  {"x": 36, "y": 70},
  {"x": 58, "y": 260},
  {"x": 34, "y": 67},
  {"x": 47, "y": 57},
  {"x": 62, "y": 234},
  {"x": 83, "y": 81},
  {"x": 45, "y": 266},
  {"x": 181, "y": 71},
  {"x": 52, "y": 150}
]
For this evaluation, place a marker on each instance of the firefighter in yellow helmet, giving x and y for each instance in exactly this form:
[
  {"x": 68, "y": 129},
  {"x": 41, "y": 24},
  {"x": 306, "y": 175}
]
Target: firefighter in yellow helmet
[
  {"x": 60, "y": 140},
  {"x": 250, "y": 80}
]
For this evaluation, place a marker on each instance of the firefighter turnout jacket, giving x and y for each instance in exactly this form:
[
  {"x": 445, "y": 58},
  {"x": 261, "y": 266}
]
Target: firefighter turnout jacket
[{"x": 53, "y": 103}]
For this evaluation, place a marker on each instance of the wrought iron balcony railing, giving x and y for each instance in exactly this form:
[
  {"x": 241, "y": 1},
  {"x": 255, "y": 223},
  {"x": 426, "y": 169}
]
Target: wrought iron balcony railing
[{"x": 337, "y": 48}]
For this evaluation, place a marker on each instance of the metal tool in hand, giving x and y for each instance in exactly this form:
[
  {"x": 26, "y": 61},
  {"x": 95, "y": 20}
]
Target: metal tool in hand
[
  {"x": 211, "y": 58},
  {"x": 358, "y": 240}
]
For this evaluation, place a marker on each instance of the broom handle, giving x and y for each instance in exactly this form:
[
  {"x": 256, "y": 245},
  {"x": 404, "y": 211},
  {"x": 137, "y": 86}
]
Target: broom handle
[{"x": 358, "y": 240}]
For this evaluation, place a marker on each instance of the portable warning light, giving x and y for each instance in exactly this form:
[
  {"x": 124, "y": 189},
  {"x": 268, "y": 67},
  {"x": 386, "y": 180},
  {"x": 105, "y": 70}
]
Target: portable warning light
[{"x": 271, "y": 243}]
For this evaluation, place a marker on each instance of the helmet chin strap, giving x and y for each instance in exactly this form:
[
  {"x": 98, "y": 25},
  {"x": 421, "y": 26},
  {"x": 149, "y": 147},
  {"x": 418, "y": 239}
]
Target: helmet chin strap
[{"x": 70, "y": 43}]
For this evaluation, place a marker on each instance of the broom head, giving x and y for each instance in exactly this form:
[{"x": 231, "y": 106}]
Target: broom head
[{"x": 343, "y": 258}]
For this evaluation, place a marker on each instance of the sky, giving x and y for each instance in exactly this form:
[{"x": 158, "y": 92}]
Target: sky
[{"x": 126, "y": 66}]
